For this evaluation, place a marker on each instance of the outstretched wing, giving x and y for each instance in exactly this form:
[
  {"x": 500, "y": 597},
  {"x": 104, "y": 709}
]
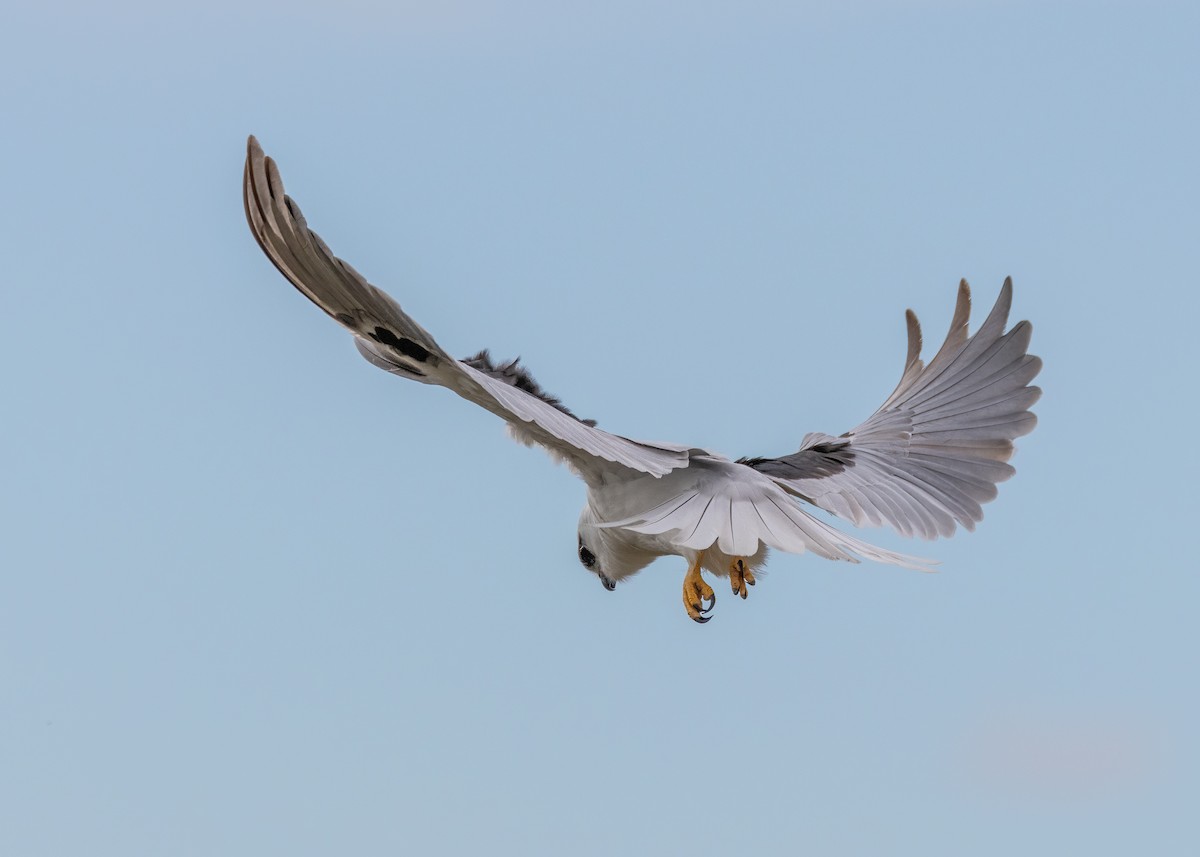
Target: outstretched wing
[
  {"x": 934, "y": 451},
  {"x": 391, "y": 340}
]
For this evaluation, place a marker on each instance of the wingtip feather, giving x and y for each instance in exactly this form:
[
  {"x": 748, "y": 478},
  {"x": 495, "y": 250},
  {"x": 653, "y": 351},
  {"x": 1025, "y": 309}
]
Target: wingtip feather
[
  {"x": 915, "y": 341},
  {"x": 962, "y": 306}
]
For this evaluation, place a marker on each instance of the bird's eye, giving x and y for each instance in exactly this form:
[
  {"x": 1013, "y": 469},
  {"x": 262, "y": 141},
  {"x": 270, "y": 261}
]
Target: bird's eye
[{"x": 586, "y": 557}]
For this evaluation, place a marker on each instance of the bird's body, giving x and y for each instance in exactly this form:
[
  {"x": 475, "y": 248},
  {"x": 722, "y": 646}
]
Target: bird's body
[
  {"x": 923, "y": 463},
  {"x": 720, "y": 483}
]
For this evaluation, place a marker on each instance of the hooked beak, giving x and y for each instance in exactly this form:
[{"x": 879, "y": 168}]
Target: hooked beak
[{"x": 607, "y": 582}]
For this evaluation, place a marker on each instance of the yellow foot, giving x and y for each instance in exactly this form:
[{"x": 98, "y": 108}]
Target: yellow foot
[
  {"x": 740, "y": 577},
  {"x": 696, "y": 592}
]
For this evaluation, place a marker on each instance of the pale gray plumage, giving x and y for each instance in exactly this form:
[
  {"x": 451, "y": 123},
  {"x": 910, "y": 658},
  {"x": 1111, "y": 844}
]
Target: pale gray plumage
[
  {"x": 924, "y": 463},
  {"x": 934, "y": 451}
]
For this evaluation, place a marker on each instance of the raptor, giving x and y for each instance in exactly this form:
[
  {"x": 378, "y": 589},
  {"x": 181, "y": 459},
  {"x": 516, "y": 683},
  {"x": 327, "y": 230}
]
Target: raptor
[{"x": 923, "y": 464}]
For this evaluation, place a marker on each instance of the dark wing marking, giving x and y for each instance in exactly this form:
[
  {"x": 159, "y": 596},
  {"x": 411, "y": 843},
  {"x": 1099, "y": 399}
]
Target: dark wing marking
[{"x": 518, "y": 376}]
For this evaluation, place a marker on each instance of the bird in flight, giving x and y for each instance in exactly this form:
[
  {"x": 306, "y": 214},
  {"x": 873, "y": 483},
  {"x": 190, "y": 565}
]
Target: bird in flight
[{"x": 922, "y": 464}]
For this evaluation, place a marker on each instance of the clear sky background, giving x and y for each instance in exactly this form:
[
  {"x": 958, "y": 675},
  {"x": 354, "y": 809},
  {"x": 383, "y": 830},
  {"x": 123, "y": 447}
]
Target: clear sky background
[{"x": 257, "y": 597}]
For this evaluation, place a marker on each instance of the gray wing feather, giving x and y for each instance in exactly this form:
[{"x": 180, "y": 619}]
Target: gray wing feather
[
  {"x": 333, "y": 285},
  {"x": 390, "y": 339},
  {"x": 933, "y": 453}
]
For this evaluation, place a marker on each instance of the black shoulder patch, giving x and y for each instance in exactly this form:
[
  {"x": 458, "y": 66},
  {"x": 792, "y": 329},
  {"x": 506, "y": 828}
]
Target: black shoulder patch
[
  {"x": 752, "y": 462},
  {"x": 819, "y": 460},
  {"x": 405, "y": 346},
  {"x": 518, "y": 376}
]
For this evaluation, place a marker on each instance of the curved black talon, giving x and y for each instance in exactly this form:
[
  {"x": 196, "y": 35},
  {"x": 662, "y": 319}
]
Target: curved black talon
[{"x": 698, "y": 597}]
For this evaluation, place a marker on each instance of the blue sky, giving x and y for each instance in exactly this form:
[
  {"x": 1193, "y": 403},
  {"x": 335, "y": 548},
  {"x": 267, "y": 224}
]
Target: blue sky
[{"x": 258, "y": 597}]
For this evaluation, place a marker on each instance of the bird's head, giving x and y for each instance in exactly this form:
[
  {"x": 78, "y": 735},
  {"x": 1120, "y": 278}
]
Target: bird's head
[{"x": 606, "y": 553}]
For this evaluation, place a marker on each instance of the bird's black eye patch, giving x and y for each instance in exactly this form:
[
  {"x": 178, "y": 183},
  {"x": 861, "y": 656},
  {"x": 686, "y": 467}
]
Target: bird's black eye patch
[{"x": 586, "y": 557}]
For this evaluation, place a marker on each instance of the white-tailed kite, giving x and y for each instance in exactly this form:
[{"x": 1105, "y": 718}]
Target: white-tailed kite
[{"x": 922, "y": 464}]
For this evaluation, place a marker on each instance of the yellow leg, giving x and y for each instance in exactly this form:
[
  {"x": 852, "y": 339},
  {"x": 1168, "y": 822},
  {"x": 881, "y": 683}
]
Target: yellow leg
[
  {"x": 696, "y": 592},
  {"x": 740, "y": 576}
]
